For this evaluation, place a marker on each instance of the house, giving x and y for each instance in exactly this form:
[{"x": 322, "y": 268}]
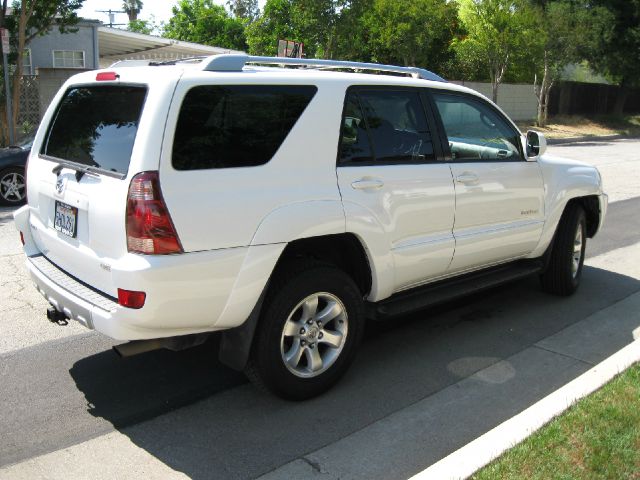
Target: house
[{"x": 51, "y": 59}]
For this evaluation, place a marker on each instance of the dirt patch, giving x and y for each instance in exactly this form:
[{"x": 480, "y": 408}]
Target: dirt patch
[{"x": 577, "y": 126}]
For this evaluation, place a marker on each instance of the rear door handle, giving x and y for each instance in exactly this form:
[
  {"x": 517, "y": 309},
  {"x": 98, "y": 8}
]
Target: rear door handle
[
  {"x": 467, "y": 177},
  {"x": 364, "y": 184}
]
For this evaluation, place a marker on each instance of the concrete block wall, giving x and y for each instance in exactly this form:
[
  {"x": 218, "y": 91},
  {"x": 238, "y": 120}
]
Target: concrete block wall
[
  {"x": 49, "y": 82},
  {"x": 518, "y": 100}
]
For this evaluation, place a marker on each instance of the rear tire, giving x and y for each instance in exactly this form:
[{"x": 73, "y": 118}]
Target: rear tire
[
  {"x": 310, "y": 328},
  {"x": 564, "y": 271}
]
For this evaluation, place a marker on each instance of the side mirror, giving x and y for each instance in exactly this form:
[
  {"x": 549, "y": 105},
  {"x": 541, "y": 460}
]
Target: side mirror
[{"x": 536, "y": 144}]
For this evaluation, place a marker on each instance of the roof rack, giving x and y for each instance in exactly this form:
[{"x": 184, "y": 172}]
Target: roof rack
[{"x": 235, "y": 63}]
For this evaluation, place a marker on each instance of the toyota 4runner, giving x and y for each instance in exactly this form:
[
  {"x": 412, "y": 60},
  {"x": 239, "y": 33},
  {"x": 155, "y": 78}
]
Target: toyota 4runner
[{"x": 283, "y": 206}]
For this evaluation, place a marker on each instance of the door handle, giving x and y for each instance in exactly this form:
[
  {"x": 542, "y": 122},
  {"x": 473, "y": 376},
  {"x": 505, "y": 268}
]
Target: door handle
[
  {"x": 363, "y": 184},
  {"x": 467, "y": 177}
]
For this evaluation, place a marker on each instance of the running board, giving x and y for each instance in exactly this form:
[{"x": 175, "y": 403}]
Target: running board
[{"x": 444, "y": 291}]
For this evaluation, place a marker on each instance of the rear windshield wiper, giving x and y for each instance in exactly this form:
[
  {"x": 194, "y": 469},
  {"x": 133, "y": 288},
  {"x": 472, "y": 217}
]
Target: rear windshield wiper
[{"x": 82, "y": 169}]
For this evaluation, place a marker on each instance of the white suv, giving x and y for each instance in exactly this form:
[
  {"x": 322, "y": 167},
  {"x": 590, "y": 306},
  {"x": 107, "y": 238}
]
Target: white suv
[{"x": 283, "y": 206}]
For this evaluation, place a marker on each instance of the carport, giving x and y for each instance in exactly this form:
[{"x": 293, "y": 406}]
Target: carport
[{"x": 115, "y": 44}]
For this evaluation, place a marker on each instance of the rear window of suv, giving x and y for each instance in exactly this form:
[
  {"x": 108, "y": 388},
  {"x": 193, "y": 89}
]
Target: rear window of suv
[
  {"x": 226, "y": 126},
  {"x": 96, "y": 126}
]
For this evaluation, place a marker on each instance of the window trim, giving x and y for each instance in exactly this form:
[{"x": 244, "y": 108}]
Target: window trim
[
  {"x": 443, "y": 133},
  {"x": 429, "y": 117},
  {"x": 84, "y": 59}
]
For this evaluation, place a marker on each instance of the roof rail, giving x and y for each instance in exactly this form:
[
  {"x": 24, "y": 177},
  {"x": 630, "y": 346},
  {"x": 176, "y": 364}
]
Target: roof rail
[{"x": 235, "y": 63}]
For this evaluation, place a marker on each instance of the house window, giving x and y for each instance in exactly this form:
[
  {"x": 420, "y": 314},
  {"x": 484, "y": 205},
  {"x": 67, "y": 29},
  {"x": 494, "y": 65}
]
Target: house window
[
  {"x": 26, "y": 62},
  {"x": 68, "y": 59}
]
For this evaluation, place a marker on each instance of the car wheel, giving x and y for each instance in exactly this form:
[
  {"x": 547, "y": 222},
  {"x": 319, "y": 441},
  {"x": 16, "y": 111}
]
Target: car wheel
[
  {"x": 564, "y": 270},
  {"x": 309, "y": 332},
  {"x": 13, "y": 188}
]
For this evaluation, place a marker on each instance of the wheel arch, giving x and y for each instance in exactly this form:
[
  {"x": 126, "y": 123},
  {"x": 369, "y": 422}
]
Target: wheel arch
[{"x": 343, "y": 250}]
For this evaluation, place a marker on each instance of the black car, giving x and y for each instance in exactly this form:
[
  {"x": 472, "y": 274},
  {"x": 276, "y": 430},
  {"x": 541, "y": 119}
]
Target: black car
[{"x": 13, "y": 159}]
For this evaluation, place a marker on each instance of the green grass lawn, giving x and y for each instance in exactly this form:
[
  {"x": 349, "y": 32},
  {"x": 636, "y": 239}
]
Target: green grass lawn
[{"x": 598, "y": 438}]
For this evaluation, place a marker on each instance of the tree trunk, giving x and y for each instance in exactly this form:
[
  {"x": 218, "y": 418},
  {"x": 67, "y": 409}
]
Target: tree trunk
[
  {"x": 621, "y": 99},
  {"x": 25, "y": 12}
]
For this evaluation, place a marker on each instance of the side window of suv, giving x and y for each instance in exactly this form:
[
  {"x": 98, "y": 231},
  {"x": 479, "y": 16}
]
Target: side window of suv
[
  {"x": 385, "y": 126},
  {"x": 475, "y": 131},
  {"x": 225, "y": 126}
]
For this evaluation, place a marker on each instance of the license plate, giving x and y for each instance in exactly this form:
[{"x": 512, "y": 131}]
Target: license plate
[{"x": 66, "y": 219}]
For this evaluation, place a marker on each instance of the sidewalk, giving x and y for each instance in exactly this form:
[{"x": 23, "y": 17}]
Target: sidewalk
[{"x": 408, "y": 441}]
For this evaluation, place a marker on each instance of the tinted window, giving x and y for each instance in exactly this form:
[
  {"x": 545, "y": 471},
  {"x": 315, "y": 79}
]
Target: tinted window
[
  {"x": 475, "y": 131},
  {"x": 397, "y": 125},
  {"x": 96, "y": 126},
  {"x": 236, "y": 126},
  {"x": 354, "y": 144}
]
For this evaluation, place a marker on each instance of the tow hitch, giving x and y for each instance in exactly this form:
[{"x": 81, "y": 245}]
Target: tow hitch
[{"x": 57, "y": 317}]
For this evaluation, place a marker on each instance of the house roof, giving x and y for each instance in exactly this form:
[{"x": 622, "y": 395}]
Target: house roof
[{"x": 116, "y": 44}]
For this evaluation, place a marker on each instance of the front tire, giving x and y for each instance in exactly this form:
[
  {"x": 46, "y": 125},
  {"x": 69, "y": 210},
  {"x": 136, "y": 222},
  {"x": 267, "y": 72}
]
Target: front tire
[
  {"x": 311, "y": 326},
  {"x": 564, "y": 271}
]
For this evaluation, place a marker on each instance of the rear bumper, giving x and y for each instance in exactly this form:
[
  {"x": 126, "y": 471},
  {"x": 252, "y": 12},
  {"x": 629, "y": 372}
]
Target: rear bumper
[
  {"x": 185, "y": 294},
  {"x": 94, "y": 309}
]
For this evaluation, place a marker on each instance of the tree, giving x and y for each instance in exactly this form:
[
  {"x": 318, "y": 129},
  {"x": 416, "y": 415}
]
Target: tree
[
  {"x": 32, "y": 18},
  {"x": 275, "y": 23},
  {"x": 498, "y": 31},
  {"x": 244, "y": 9},
  {"x": 566, "y": 28},
  {"x": 203, "y": 21},
  {"x": 616, "y": 54},
  {"x": 411, "y": 32},
  {"x": 132, "y": 9},
  {"x": 141, "y": 26}
]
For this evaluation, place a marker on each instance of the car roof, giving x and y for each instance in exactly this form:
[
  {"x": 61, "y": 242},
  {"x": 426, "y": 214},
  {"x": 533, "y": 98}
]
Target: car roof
[{"x": 196, "y": 70}]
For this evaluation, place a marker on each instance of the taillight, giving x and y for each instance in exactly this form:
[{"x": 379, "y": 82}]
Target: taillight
[
  {"x": 131, "y": 299},
  {"x": 149, "y": 226}
]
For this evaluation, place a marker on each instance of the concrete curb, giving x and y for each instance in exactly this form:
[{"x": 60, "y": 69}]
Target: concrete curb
[
  {"x": 476, "y": 454},
  {"x": 587, "y": 138}
]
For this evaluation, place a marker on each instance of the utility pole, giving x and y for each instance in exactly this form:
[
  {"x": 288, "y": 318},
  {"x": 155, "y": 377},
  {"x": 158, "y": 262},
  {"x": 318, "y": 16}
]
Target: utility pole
[
  {"x": 112, "y": 15},
  {"x": 4, "y": 34}
]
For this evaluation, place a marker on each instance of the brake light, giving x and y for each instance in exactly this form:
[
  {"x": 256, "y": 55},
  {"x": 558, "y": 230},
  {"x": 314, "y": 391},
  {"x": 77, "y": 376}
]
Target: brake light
[
  {"x": 148, "y": 224},
  {"x": 131, "y": 299},
  {"x": 106, "y": 76}
]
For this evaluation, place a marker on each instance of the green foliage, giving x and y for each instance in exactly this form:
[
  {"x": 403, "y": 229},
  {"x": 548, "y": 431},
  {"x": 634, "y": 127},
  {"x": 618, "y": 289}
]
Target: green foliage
[
  {"x": 616, "y": 51},
  {"x": 275, "y": 23},
  {"x": 46, "y": 15},
  {"x": 499, "y": 34},
  {"x": 141, "y": 26},
  {"x": 411, "y": 32},
  {"x": 205, "y": 22}
]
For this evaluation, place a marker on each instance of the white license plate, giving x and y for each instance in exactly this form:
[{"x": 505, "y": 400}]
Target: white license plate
[{"x": 66, "y": 219}]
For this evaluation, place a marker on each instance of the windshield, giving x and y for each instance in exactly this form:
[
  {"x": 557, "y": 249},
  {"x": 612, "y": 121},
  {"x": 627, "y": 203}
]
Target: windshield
[{"x": 96, "y": 126}]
